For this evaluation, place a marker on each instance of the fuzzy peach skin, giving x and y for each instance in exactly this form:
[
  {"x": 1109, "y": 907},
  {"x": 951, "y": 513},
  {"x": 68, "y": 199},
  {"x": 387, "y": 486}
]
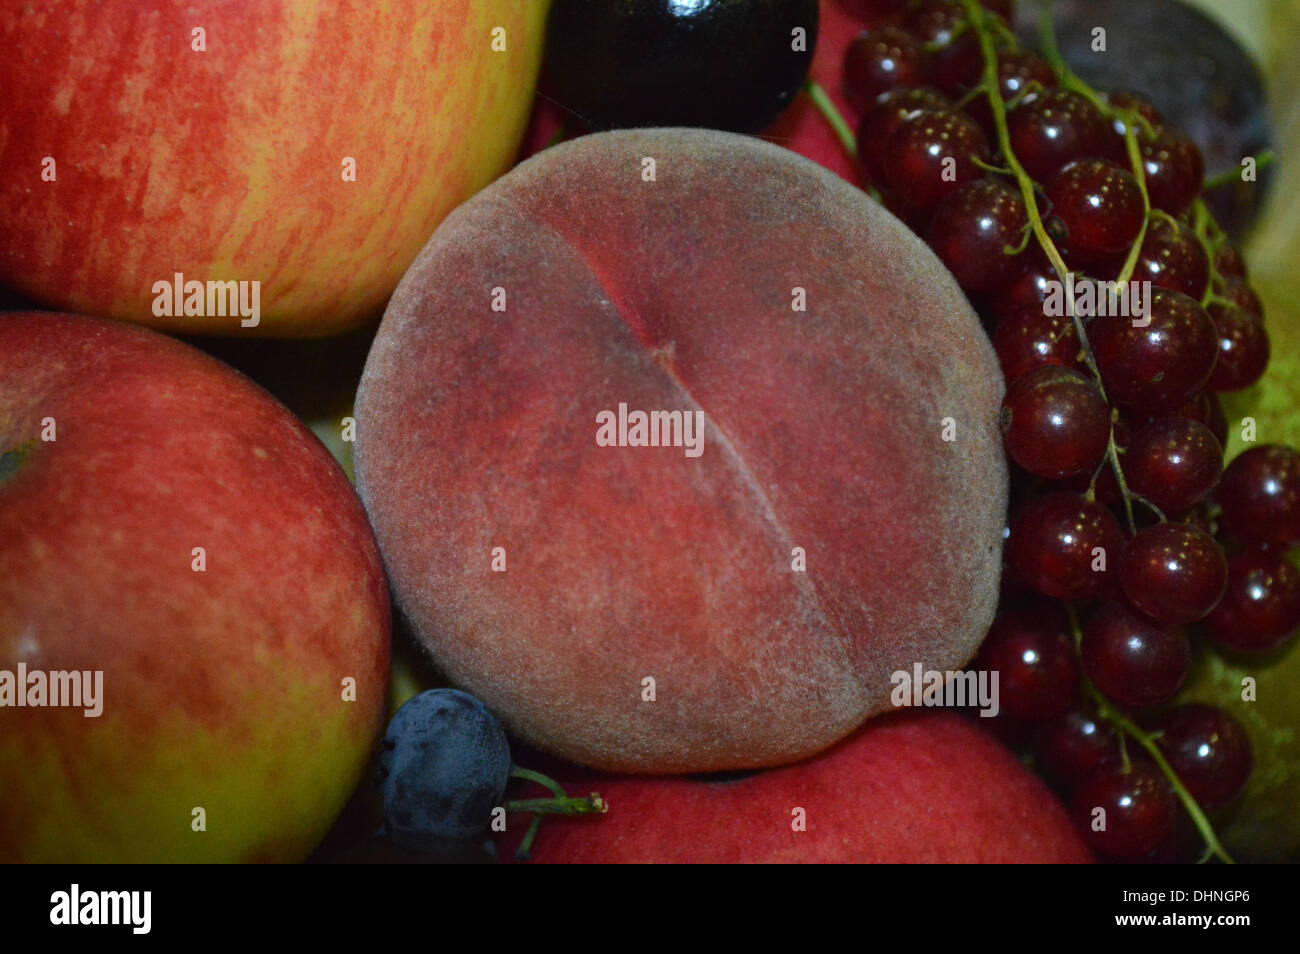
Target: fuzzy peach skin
[
  {"x": 222, "y": 689},
  {"x": 824, "y": 431},
  {"x": 227, "y": 163},
  {"x": 915, "y": 787}
]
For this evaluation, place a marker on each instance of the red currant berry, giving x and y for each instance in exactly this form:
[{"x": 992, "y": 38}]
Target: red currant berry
[
  {"x": 1055, "y": 422},
  {"x": 1106, "y": 488},
  {"x": 1132, "y": 659},
  {"x": 1052, "y": 128},
  {"x": 953, "y": 60},
  {"x": 881, "y": 120},
  {"x": 1072, "y": 745},
  {"x": 1019, "y": 71},
  {"x": 1174, "y": 170},
  {"x": 1064, "y": 546},
  {"x": 1130, "y": 101},
  {"x": 878, "y": 61},
  {"x": 1229, "y": 263},
  {"x": 1161, "y": 364},
  {"x": 1208, "y": 750},
  {"x": 1173, "y": 572},
  {"x": 1237, "y": 291},
  {"x": 1261, "y": 608},
  {"x": 1259, "y": 495},
  {"x": 1171, "y": 257},
  {"x": 1031, "y": 286},
  {"x": 1034, "y": 658},
  {"x": 932, "y": 154},
  {"x": 1100, "y": 206},
  {"x": 1138, "y": 805},
  {"x": 1027, "y": 338},
  {"x": 1206, "y": 409},
  {"x": 872, "y": 9},
  {"x": 973, "y": 230},
  {"x": 1244, "y": 348},
  {"x": 1174, "y": 462},
  {"x": 935, "y": 22}
]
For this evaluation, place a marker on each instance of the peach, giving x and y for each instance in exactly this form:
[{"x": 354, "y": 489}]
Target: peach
[
  {"x": 915, "y": 787},
  {"x": 640, "y": 608}
]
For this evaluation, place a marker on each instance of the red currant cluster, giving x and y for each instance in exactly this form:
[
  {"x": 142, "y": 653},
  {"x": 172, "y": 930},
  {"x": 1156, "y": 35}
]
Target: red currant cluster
[{"x": 1023, "y": 180}]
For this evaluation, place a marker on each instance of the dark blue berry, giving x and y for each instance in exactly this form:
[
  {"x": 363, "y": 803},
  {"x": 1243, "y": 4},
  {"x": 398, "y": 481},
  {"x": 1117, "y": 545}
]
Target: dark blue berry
[{"x": 443, "y": 766}]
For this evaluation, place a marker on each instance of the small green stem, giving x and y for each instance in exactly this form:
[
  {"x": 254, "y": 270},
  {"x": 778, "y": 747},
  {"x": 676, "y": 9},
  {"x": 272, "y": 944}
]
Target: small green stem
[
  {"x": 990, "y": 82},
  {"x": 1229, "y": 176},
  {"x": 591, "y": 804},
  {"x": 543, "y": 780},
  {"x": 525, "y": 849},
  {"x": 1132, "y": 122},
  {"x": 561, "y": 804},
  {"x": 833, "y": 116},
  {"x": 1140, "y": 174},
  {"x": 1128, "y": 728}
]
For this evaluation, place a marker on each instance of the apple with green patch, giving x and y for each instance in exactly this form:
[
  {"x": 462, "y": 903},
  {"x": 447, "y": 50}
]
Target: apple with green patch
[{"x": 174, "y": 536}]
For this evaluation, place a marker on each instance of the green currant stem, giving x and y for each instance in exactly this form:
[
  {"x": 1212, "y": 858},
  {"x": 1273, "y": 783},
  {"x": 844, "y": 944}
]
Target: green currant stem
[
  {"x": 989, "y": 167},
  {"x": 979, "y": 18},
  {"x": 545, "y": 781},
  {"x": 525, "y": 849},
  {"x": 1229, "y": 176},
  {"x": 561, "y": 804},
  {"x": 591, "y": 804},
  {"x": 1127, "y": 727},
  {"x": 833, "y": 116},
  {"x": 1140, "y": 174},
  {"x": 977, "y": 15},
  {"x": 835, "y": 119}
]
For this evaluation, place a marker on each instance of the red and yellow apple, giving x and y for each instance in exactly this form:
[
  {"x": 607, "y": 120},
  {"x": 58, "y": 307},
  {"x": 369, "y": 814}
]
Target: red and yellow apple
[
  {"x": 141, "y": 140},
  {"x": 165, "y": 522},
  {"x": 919, "y": 786}
]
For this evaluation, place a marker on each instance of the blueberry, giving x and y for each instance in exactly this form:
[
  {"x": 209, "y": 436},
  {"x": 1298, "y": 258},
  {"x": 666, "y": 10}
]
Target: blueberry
[{"x": 443, "y": 766}]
